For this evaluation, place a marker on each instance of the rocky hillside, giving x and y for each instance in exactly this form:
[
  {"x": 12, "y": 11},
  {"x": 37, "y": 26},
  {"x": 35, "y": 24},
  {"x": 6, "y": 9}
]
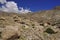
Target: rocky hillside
[{"x": 43, "y": 25}]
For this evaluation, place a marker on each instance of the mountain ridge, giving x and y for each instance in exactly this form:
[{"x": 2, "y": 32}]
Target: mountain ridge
[{"x": 43, "y": 25}]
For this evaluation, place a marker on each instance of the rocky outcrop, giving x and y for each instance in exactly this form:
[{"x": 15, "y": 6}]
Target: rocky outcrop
[
  {"x": 44, "y": 25},
  {"x": 57, "y": 8}
]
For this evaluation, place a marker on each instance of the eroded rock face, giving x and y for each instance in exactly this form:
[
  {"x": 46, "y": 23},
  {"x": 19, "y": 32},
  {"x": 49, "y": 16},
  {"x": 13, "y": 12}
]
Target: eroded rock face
[
  {"x": 42, "y": 26},
  {"x": 22, "y": 29},
  {"x": 9, "y": 31}
]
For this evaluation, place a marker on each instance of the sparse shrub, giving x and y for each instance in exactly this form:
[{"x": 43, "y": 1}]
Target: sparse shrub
[
  {"x": 0, "y": 34},
  {"x": 48, "y": 23},
  {"x": 33, "y": 24},
  {"x": 50, "y": 31},
  {"x": 42, "y": 24},
  {"x": 22, "y": 22},
  {"x": 16, "y": 20}
]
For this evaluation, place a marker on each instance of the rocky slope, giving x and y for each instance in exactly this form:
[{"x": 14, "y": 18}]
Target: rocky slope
[{"x": 44, "y": 25}]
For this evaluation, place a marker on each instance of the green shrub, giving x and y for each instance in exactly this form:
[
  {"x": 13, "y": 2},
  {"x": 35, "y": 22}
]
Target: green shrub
[{"x": 50, "y": 31}]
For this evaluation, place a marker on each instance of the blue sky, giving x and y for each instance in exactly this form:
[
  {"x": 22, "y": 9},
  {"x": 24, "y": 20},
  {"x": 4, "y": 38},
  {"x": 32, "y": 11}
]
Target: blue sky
[{"x": 37, "y": 5}]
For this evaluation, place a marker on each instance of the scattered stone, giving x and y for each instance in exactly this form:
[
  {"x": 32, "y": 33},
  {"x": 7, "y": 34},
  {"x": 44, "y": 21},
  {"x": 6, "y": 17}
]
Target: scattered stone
[{"x": 37, "y": 26}]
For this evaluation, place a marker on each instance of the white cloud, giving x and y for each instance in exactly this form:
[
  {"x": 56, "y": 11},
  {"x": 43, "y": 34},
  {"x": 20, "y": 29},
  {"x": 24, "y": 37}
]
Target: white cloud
[
  {"x": 2, "y": 1},
  {"x": 11, "y": 6},
  {"x": 24, "y": 10}
]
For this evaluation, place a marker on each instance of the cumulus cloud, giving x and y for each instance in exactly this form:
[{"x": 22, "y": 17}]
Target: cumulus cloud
[
  {"x": 2, "y": 1},
  {"x": 11, "y": 6},
  {"x": 24, "y": 10}
]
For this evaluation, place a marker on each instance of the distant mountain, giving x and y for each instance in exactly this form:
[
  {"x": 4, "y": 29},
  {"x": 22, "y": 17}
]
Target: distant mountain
[
  {"x": 57, "y": 8},
  {"x": 42, "y": 25}
]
